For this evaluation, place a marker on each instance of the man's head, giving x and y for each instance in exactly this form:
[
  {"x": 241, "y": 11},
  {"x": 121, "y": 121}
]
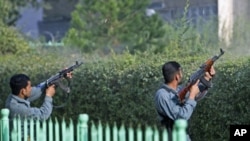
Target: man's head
[
  {"x": 20, "y": 85},
  {"x": 172, "y": 72}
]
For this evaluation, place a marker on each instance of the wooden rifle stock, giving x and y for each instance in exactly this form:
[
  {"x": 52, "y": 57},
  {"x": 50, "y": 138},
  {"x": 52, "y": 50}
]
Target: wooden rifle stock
[
  {"x": 184, "y": 91},
  {"x": 198, "y": 74}
]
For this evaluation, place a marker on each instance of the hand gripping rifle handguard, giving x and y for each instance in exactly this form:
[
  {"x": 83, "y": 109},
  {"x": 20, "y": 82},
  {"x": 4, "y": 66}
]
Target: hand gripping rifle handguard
[
  {"x": 199, "y": 75},
  {"x": 58, "y": 77}
]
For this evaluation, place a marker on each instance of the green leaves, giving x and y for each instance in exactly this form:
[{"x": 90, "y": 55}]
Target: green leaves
[
  {"x": 10, "y": 10},
  {"x": 122, "y": 87},
  {"x": 112, "y": 24},
  {"x": 11, "y": 41}
]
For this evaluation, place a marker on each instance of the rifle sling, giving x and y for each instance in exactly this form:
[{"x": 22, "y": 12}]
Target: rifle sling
[
  {"x": 66, "y": 90},
  {"x": 207, "y": 84}
]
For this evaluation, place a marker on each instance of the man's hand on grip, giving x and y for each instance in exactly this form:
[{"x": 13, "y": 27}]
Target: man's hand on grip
[
  {"x": 194, "y": 90},
  {"x": 209, "y": 75}
]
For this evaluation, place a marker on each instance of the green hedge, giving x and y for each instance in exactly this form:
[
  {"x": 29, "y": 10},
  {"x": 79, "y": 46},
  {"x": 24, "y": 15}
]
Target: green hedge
[
  {"x": 122, "y": 88},
  {"x": 228, "y": 102}
]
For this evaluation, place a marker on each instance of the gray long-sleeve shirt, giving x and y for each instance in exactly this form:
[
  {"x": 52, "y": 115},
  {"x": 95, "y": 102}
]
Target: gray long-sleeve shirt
[
  {"x": 21, "y": 107},
  {"x": 168, "y": 105}
]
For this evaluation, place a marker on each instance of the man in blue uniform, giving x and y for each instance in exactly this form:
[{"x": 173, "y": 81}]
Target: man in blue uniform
[
  {"x": 23, "y": 93},
  {"x": 167, "y": 103}
]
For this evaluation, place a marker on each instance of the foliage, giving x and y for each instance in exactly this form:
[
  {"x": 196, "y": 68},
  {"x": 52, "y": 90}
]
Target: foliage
[
  {"x": 121, "y": 88},
  {"x": 11, "y": 42},
  {"x": 114, "y": 24},
  {"x": 10, "y": 10},
  {"x": 227, "y": 103},
  {"x": 182, "y": 34}
]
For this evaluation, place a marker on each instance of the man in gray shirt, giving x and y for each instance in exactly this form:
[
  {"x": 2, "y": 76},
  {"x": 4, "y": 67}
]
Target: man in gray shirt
[
  {"x": 167, "y": 103},
  {"x": 18, "y": 102},
  {"x": 22, "y": 93}
]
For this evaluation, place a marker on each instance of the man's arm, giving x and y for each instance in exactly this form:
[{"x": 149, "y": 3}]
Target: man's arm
[
  {"x": 22, "y": 108},
  {"x": 44, "y": 111},
  {"x": 168, "y": 105}
]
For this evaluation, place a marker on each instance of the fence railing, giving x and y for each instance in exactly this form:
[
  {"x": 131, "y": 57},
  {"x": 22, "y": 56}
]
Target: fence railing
[{"x": 53, "y": 130}]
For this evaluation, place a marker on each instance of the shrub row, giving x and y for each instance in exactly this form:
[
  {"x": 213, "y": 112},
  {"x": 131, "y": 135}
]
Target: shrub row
[{"x": 121, "y": 88}]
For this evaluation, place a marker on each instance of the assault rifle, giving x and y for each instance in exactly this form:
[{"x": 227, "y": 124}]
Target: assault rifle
[
  {"x": 57, "y": 80},
  {"x": 199, "y": 74}
]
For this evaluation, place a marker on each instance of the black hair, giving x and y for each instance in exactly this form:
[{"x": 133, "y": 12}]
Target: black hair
[
  {"x": 17, "y": 82},
  {"x": 169, "y": 69}
]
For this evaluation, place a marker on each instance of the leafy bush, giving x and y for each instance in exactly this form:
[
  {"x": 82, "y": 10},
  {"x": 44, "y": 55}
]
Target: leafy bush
[
  {"x": 226, "y": 104},
  {"x": 95, "y": 26},
  {"x": 11, "y": 42},
  {"x": 121, "y": 88}
]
